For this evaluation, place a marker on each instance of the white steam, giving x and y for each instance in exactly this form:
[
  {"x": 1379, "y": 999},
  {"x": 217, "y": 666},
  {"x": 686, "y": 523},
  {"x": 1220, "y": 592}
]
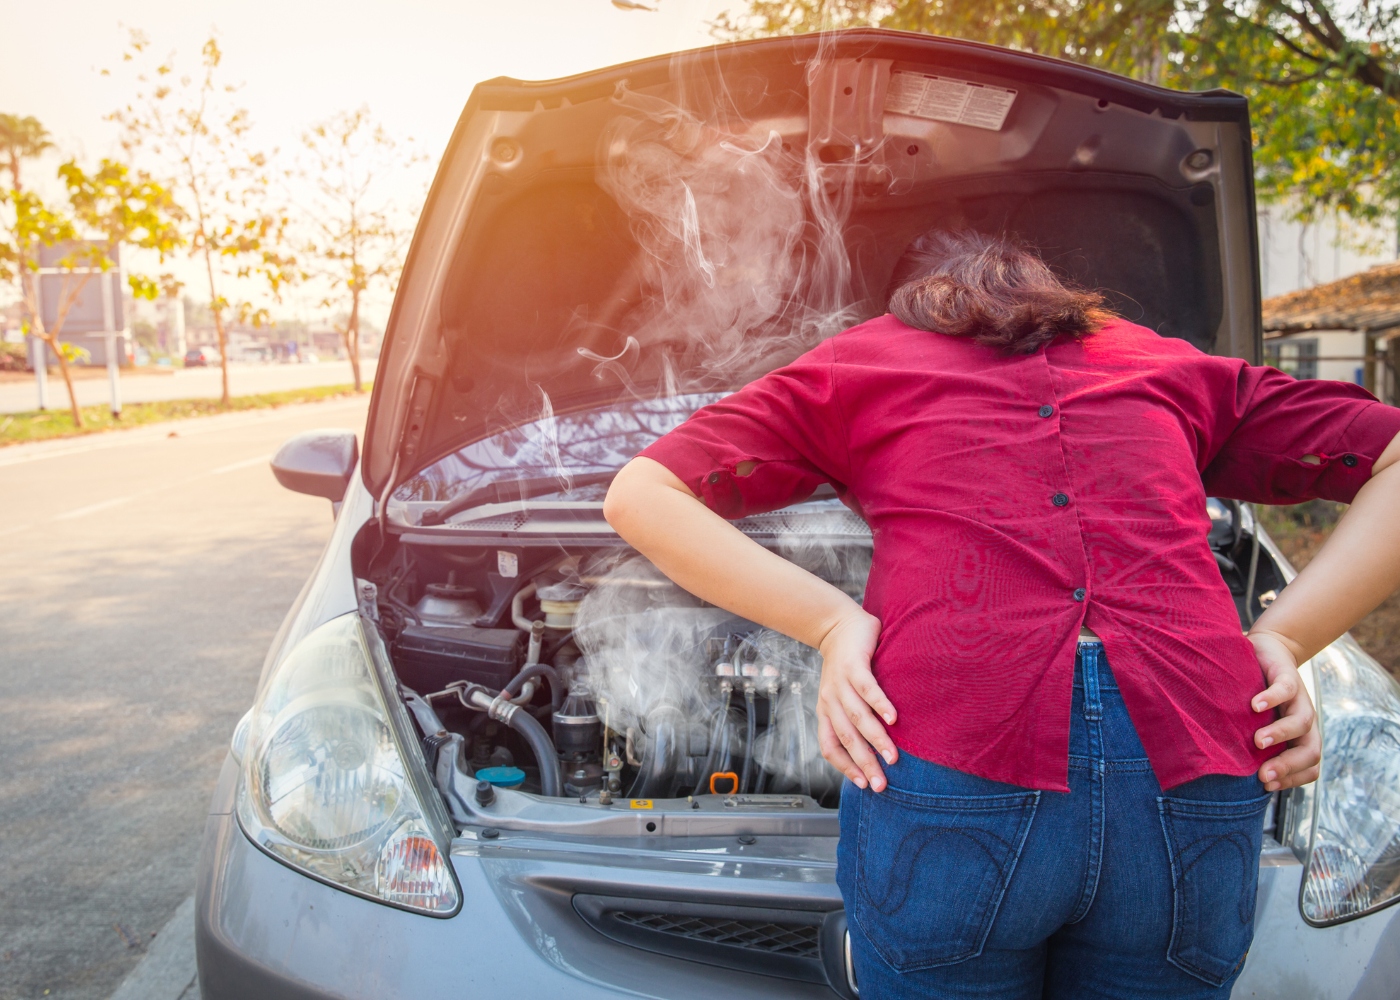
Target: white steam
[{"x": 744, "y": 266}]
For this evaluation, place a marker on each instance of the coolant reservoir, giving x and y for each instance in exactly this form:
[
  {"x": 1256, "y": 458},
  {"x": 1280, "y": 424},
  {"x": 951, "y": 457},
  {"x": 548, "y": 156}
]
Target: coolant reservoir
[{"x": 559, "y": 602}]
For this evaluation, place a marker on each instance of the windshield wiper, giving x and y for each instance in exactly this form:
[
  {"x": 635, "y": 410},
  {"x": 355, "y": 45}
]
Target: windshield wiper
[{"x": 506, "y": 490}]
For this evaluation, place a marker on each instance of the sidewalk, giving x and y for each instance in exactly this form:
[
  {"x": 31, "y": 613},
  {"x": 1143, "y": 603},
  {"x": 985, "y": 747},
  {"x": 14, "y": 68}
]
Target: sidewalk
[{"x": 183, "y": 383}]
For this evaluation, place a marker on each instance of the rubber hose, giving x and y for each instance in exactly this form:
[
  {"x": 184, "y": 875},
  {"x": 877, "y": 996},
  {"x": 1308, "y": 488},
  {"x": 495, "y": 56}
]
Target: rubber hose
[
  {"x": 707, "y": 768},
  {"x": 804, "y": 776},
  {"x": 750, "y": 737},
  {"x": 766, "y": 763},
  {"x": 551, "y": 781},
  {"x": 657, "y": 772},
  {"x": 556, "y": 685},
  {"x": 517, "y": 608}
]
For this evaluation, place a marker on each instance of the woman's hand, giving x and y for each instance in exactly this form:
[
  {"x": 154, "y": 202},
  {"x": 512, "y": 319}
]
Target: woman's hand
[
  {"x": 1297, "y": 722},
  {"x": 848, "y": 729}
]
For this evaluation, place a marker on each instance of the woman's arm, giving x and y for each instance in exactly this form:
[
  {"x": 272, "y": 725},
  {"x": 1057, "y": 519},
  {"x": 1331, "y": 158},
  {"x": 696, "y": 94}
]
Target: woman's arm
[
  {"x": 1356, "y": 569},
  {"x": 658, "y": 515}
]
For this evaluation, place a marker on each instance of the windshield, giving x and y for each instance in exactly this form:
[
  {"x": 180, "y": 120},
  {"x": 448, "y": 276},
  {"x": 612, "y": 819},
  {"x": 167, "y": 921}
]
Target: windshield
[{"x": 587, "y": 445}]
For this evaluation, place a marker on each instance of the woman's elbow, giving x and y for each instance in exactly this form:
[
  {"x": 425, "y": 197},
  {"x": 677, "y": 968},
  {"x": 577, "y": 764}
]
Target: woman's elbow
[
  {"x": 636, "y": 491},
  {"x": 624, "y": 497}
]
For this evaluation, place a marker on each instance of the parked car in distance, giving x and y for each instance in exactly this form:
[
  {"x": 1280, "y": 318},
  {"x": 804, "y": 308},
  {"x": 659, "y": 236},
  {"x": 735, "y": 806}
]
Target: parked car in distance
[
  {"x": 201, "y": 357},
  {"x": 493, "y": 750}
]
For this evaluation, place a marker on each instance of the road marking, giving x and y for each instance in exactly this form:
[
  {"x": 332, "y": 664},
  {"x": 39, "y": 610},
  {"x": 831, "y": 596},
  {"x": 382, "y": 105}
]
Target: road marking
[
  {"x": 235, "y": 466},
  {"x": 92, "y": 508},
  {"x": 168, "y": 967}
]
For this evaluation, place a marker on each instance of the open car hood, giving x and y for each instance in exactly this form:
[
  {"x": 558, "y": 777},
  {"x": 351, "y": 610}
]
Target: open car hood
[{"x": 686, "y": 223}]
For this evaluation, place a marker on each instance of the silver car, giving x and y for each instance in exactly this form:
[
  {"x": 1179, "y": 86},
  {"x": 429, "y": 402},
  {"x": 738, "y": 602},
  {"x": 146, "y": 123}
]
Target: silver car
[{"x": 494, "y": 752}]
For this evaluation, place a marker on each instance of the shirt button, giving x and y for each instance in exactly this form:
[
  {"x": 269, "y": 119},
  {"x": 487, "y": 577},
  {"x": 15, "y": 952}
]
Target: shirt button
[
  {"x": 1059, "y": 500},
  {"x": 1080, "y": 593},
  {"x": 1349, "y": 461},
  {"x": 714, "y": 478},
  {"x": 1046, "y": 410}
]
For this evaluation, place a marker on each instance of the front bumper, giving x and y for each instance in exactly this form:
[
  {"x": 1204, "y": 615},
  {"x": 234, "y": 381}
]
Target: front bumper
[{"x": 264, "y": 930}]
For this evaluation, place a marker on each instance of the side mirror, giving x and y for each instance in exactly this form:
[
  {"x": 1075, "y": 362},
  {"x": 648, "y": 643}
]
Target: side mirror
[{"x": 319, "y": 463}]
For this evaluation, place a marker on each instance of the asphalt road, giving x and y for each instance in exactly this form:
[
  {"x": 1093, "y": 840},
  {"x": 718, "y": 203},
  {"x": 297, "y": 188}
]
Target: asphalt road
[
  {"x": 183, "y": 383},
  {"x": 142, "y": 576}
]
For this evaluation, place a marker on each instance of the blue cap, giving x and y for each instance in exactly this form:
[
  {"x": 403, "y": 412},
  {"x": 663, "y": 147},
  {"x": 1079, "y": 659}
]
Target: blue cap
[{"x": 502, "y": 777}]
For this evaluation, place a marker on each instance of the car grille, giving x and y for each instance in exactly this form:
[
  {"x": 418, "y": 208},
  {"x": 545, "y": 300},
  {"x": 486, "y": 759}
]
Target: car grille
[
  {"x": 805, "y": 945},
  {"x": 797, "y": 940}
]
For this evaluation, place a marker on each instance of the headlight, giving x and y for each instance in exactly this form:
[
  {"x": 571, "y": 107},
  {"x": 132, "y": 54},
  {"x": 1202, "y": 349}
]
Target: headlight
[
  {"x": 1349, "y": 822},
  {"x": 326, "y": 786}
]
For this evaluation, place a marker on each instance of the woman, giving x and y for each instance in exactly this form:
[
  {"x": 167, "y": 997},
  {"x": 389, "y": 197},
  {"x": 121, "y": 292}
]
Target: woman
[{"x": 1035, "y": 472}]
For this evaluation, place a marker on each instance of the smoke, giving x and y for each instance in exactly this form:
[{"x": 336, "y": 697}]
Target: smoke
[
  {"x": 744, "y": 266},
  {"x": 656, "y": 655},
  {"x": 744, "y": 261}
]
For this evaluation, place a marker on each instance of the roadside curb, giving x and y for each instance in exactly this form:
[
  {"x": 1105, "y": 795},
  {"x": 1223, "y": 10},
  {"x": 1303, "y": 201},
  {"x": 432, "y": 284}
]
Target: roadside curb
[{"x": 168, "y": 967}]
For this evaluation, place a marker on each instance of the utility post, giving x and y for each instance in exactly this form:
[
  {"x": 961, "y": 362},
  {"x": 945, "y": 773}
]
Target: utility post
[
  {"x": 39, "y": 359},
  {"x": 96, "y": 318}
]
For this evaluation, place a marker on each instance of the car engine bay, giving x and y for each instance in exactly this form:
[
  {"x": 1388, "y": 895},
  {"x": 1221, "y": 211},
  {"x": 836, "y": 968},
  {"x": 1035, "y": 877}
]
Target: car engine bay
[{"x": 577, "y": 671}]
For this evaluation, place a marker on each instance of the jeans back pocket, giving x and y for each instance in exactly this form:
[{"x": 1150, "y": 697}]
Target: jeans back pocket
[
  {"x": 1214, "y": 849},
  {"x": 931, "y": 871}
]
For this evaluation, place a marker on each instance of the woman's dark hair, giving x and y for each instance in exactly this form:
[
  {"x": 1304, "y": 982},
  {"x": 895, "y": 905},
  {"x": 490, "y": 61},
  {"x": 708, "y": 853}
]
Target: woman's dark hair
[{"x": 990, "y": 288}]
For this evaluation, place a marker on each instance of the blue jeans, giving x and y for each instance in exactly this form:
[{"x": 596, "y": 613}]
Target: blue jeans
[{"x": 956, "y": 886}]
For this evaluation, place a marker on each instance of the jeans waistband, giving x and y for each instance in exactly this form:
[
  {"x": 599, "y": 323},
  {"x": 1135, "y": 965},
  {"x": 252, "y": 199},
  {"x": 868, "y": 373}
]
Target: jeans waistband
[{"x": 1090, "y": 656}]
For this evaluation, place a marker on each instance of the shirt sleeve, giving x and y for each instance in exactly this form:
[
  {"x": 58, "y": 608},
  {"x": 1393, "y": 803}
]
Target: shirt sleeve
[
  {"x": 1272, "y": 421},
  {"x": 788, "y": 424}
]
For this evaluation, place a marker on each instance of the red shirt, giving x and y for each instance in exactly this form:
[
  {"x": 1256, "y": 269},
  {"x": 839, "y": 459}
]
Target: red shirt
[{"x": 1014, "y": 499}]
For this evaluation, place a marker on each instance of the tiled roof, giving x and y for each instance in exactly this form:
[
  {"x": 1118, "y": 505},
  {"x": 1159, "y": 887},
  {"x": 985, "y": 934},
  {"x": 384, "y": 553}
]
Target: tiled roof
[{"x": 1366, "y": 301}]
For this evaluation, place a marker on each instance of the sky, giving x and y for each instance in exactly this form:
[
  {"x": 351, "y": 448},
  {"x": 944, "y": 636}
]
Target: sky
[{"x": 411, "y": 62}]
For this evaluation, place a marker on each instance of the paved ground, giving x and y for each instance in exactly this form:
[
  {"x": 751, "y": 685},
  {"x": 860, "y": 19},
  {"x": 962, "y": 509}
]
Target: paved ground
[
  {"x": 182, "y": 383},
  {"x": 142, "y": 576}
]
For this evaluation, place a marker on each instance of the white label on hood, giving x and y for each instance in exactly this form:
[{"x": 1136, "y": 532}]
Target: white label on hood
[{"x": 947, "y": 100}]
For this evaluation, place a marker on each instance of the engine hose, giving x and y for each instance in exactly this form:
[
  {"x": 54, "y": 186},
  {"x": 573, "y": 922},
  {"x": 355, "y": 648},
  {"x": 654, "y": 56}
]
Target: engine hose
[
  {"x": 750, "y": 737},
  {"x": 657, "y": 772},
  {"x": 716, "y": 760},
  {"x": 556, "y": 686},
  {"x": 765, "y": 765},
  {"x": 517, "y": 608},
  {"x": 497, "y": 707},
  {"x": 804, "y": 775},
  {"x": 529, "y": 728}
]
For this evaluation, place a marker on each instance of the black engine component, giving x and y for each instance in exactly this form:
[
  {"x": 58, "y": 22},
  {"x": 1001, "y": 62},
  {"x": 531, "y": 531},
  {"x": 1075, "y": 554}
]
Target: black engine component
[
  {"x": 429, "y": 657},
  {"x": 577, "y": 731}
]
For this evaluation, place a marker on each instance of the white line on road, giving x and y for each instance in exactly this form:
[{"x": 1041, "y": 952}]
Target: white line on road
[
  {"x": 168, "y": 967},
  {"x": 235, "y": 466},
  {"x": 92, "y": 508}
]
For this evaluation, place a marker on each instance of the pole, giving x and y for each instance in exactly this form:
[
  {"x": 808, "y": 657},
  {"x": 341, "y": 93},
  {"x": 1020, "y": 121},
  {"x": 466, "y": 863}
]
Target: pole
[
  {"x": 39, "y": 358},
  {"x": 113, "y": 384},
  {"x": 109, "y": 338}
]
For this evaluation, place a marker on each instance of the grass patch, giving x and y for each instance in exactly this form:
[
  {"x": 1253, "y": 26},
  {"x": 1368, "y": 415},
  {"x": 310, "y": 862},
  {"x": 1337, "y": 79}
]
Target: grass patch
[{"x": 43, "y": 425}]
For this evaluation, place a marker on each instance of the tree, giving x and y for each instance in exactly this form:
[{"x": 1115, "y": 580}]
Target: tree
[
  {"x": 189, "y": 126},
  {"x": 1321, "y": 78},
  {"x": 357, "y": 235},
  {"x": 104, "y": 209}
]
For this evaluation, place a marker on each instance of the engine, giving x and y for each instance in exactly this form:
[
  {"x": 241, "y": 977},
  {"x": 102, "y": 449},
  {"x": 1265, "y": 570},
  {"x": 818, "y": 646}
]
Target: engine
[{"x": 591, "y": 675}]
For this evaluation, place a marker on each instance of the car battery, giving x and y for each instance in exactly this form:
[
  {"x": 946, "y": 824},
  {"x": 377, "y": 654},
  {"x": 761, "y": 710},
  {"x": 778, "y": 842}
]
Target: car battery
[{"x": 430, "y": 657}]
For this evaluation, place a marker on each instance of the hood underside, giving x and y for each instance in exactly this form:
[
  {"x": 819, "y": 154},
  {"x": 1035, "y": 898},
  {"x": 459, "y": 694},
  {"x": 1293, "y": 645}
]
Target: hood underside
[{"x": 686, "y": 223}]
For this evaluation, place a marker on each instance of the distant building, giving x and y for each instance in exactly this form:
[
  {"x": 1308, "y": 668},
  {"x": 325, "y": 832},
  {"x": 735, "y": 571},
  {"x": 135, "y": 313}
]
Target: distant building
[
  {"x": 1347, "y": 330},
  {"x": 1295, "y": 254}
]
